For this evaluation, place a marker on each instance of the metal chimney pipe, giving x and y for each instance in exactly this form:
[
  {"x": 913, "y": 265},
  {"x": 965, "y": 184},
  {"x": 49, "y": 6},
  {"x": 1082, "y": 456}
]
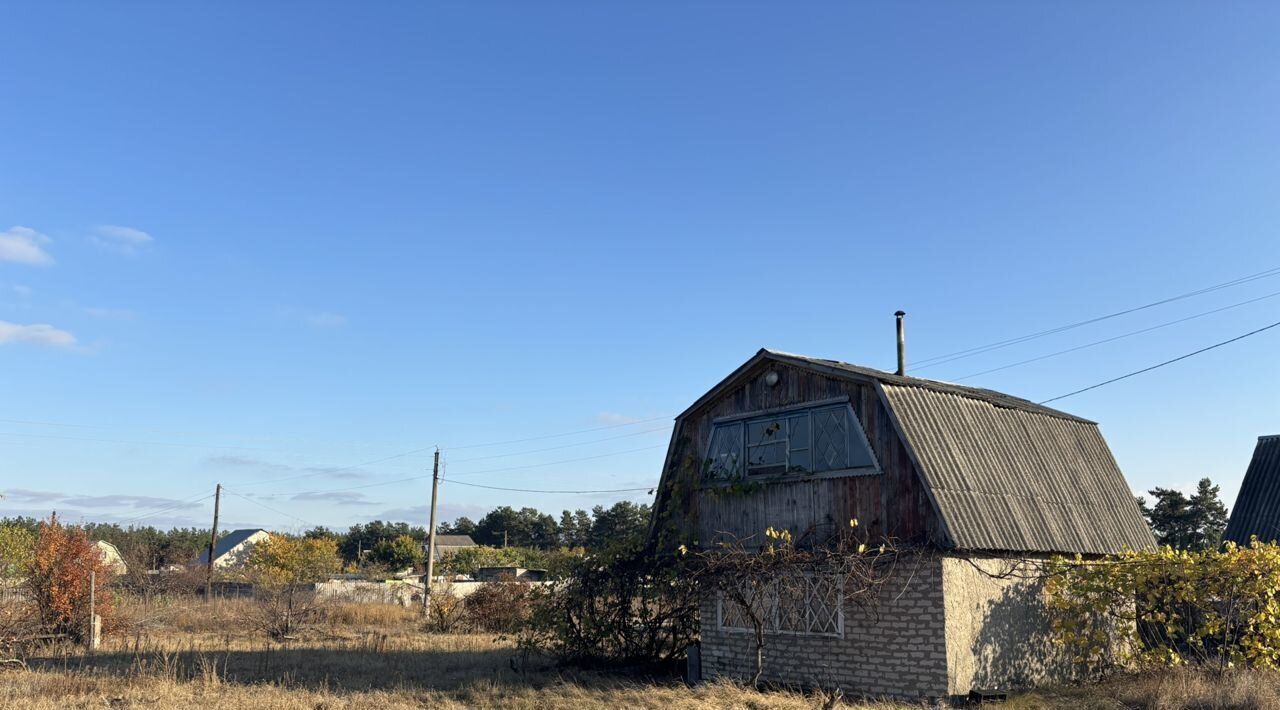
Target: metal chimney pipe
[{"x": 902, "y": 345}]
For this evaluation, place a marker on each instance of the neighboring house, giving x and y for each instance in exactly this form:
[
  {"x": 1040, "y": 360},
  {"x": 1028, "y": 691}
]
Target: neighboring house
[
  {"x": 1257, "y": 508},
  {"x": 111, "y": 557},
  {"x": 233, "y": 549},
  {"x": 449, "y": 543},
  {"x": 494, "y": 574},
  {"x": 967, "y": 482}
]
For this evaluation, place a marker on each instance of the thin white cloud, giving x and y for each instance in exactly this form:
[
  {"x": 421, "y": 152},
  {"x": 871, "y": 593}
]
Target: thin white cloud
[
  {"x": 36, "y": 334},
  {"x": 22, "y": 291},
  {"x": 275, "y": 469},
  {"x": 339, "y": 497},
  {"x": 123, "y": 239},
  {"x": 24, "y": 245},
  {"x": 126, "y": 501},
  {"x": 23, "y": 495}
]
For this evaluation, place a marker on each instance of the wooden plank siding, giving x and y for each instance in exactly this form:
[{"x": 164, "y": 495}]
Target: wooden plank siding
[{"x": 889, "y": 504}]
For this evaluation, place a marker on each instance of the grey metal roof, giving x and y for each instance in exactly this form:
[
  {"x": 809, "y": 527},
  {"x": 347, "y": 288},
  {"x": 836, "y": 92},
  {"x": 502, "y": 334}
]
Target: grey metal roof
[
  {"x": 1257, "y": 508},
  {"x": 1014, "y": 478},
  {"x": 454, "y": 541},
  {"x": 228, "y": 542}
]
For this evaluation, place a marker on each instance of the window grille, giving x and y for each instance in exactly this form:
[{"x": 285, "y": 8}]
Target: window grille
[{"x": 810, "y": 604}]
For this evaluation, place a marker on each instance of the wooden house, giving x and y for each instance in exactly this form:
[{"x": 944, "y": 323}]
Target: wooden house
[
  {"x": 1257, "y": 508},
  {"x": 970, "y": 479}
]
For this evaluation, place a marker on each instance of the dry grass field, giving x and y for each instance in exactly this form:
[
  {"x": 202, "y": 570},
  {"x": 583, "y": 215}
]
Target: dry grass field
[{"x": 362, "y": 656}]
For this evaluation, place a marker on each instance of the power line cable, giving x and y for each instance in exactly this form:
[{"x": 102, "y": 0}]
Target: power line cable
[
  {"x": 556, "y": 463},
  {"x": 1117, "y": 337},
  {"x": 408, "y": 479},
  {"x": 970, "y": 352},
  {"x": 564, "y": 446},
  {"x": 267, "y": 507},
  {"x": 133, "y": 443},
  {"x": 332, "y": 471},
  {"x": 173, "y": 432},
  {"x": 556, "y": 436},
  {"x": 179, "y": 505},
  {"x": 538, "y": 490},
  {"x": 1159, "y": 365}
]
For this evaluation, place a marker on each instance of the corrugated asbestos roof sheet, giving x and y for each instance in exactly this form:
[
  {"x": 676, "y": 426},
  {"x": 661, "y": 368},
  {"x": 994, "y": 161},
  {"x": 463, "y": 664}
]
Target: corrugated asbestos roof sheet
[
  {"x": 993, "y": 397},
  {"x": 1008, "y": 476},
  {"x": 1257, "y": 508}
]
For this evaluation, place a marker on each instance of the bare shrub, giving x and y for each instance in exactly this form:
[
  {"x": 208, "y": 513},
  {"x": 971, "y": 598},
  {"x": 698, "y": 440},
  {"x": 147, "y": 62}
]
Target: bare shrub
[
  {"x": 446, "y": 613},
  {"x": 281, "y": 612},
  {"x": 501, "y": 606},
  {"x": 284, "y": 571}
]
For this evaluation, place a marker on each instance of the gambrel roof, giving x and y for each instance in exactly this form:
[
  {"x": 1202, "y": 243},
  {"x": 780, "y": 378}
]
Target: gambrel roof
[
  {"x": 1003, "y": 473},
  {"x": 1257, "y": 508}
]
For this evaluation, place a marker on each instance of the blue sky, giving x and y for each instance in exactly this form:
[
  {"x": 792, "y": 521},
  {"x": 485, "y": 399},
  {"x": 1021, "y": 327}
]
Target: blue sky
[{"x": 243, "y": 243}]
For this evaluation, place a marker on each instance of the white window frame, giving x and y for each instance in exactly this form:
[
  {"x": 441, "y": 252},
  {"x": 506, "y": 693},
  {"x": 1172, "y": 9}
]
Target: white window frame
[{"x": 784, "y": 413}]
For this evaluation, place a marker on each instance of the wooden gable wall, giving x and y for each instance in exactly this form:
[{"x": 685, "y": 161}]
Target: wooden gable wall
[{"x": 892, "y": 503}]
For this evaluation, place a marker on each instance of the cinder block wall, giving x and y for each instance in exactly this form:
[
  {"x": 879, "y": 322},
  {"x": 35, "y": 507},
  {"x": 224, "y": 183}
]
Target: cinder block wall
[
  {"x": 894, "y": 648},
  {"x": 997, "y": 628}
]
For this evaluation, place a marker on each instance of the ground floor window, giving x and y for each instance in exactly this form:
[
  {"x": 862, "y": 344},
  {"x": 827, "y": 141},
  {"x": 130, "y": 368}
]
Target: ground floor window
[{"x": 801, "y": 604}]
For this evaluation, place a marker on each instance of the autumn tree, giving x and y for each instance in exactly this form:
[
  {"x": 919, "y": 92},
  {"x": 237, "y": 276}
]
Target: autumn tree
[
  {"x": 397, "y": 553},
  {"x": 17, "y": 621},
  {"x": 58, "y": 579},
  {"x": 17, "y": 545},
  {"x": 284, "y": 571}
]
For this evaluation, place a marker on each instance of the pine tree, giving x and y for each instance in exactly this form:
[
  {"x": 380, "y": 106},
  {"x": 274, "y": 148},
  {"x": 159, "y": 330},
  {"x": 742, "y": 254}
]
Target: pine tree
[{"x": 1187, "y": 523}]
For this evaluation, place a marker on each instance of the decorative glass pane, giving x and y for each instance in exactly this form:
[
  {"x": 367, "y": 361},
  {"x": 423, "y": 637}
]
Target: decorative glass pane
[
  {"x": 798, "y": 431},
  {"x": 767, "y": 455},
  {"x": 799, "y": 461},
  {"x": 838, "y": 442},
  {"x": 763, "y": 431},
  {"x": 724, "y": 458},
  {"x": 800, "y": 442},
  {"x": 830, "y": 439}
]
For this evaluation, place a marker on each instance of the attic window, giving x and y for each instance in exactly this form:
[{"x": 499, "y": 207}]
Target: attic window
[{"x": 811, "y": 440}]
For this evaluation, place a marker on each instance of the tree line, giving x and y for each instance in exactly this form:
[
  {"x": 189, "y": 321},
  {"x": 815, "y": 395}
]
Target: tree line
[{"x": 528, "y": 528}]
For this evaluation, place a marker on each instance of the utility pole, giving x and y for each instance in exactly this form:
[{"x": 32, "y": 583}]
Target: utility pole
[
  {"x": 431, "y": 536},
  {"x": 213, "y": 543},
  {"x": 93, "y": 611}
]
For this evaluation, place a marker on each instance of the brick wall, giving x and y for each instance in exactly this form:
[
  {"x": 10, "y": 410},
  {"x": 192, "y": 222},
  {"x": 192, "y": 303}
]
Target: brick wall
[{"x": 895, "y": 647}]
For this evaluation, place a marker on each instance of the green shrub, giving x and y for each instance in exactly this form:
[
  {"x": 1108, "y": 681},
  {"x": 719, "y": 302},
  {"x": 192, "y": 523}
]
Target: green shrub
[{"x": 1170, "y": 607}]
